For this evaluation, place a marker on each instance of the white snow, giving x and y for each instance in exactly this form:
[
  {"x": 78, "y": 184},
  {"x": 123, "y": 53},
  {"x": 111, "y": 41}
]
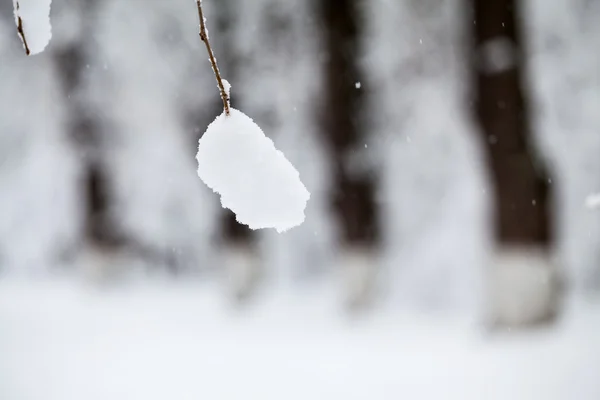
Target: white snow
[
  {"x": 523, "y": 286},
  {"x": 254, "y": 179},
  {"x": 359, "y": 270},
  {"x": 227, "y": 87},
  {"x": 61, "y": 341},
  {"x": 593, "y": 201},
  {"x": 242, "y": 271},
  {"x": 33, "y": 24}
]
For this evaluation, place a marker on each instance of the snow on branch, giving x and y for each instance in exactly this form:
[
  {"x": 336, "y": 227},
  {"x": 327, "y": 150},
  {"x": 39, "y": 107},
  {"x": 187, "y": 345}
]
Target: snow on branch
[
  {"x": 253, "y": 178},
  {"x": 32, "y": 18},
  {"x": 237, "y": 161}
]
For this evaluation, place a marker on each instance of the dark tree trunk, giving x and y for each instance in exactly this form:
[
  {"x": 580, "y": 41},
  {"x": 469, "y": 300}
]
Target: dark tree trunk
[
  {"x": 353, "y": 194},
  {"x": 520, "y": 182}
]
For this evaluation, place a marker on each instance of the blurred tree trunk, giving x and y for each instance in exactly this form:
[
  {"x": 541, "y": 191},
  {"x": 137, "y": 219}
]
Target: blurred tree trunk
[
  {"x": 520, "y": 182},
  {"x": 84, "y": 130},
  {"x": 353, "y": 193},
  {"x": 525, "y": 285},
  {"x": 353, "y": 186}
]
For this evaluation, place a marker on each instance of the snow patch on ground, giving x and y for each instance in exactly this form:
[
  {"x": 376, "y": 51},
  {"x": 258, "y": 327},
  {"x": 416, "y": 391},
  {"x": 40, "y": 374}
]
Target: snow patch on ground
[{"x": 64, "y": 341}]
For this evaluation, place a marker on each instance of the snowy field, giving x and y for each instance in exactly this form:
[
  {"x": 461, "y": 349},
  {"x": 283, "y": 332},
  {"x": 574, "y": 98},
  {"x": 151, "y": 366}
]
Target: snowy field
[{"x": 66, "y": 340}]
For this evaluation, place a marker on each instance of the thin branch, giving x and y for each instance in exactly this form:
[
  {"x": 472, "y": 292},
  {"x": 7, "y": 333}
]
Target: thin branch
[
  {"x": 211, "y": 56},
  {"x": 20, "y": 30}
]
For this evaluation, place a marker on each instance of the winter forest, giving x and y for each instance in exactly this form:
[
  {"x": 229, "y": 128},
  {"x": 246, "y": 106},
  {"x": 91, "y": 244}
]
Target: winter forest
[{"x": 451, "y": 243}]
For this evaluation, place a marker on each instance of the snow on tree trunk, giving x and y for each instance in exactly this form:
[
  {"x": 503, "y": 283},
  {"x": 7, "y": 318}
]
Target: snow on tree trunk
[
  {"x": 563, "y": 68},
  {"x": 32, "y": 18},
  {"x": 277, "y": 74},
  {"x": 147, "y": 77},
  {"x": 432, "y": 195},
  {"x": 524, "y": 287}
]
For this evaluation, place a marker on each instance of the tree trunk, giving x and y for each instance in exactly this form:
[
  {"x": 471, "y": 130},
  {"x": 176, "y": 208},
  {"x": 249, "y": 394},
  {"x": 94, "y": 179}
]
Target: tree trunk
[
  {"x": 353, "y": 193},
  {"x": 525, "y": 287},
  {"x": 353, "y": 184},
  {"x": 85, "y": 134},
  {"x": 520, "y": 181}
]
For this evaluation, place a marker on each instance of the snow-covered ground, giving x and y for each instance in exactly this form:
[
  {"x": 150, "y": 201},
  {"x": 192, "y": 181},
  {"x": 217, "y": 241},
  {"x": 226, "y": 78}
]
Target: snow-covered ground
[{"x": 69, "y": 340}]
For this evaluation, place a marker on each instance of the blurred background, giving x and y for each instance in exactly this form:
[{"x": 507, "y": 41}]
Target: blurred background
[{"x": 449, "y": 147}]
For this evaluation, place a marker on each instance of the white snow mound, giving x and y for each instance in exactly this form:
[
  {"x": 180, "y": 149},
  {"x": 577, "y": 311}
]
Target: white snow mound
[
  {"x": 33, "y": 24},
  {"x": 254, "y": 179}
]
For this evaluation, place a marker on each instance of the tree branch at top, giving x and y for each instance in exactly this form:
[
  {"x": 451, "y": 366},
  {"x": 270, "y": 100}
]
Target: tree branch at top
[{"x": 211, "y": 57}]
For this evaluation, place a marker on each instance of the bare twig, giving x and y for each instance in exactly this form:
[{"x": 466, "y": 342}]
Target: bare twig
[
  {"x": 20, "y": 30},
  {"x": 211, "y": 56}
]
